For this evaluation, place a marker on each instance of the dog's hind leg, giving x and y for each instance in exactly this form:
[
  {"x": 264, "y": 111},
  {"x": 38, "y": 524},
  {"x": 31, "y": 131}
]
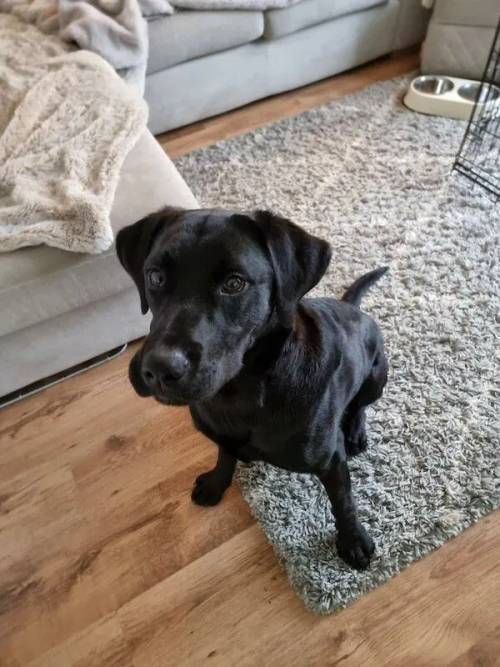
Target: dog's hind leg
[
  {"x": 353, "y": 426},
  {"x": 353, "y": 421}
]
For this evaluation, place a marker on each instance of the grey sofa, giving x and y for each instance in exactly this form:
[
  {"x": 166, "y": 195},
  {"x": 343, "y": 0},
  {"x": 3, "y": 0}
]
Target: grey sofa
[
  {"x": 203, "y": 63},
  {"x": 460, "y": 36},
  {"x": 58, "y": 308}
]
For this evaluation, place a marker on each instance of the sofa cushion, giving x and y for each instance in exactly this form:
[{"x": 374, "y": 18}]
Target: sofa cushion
[
  {"x": 40, "y": 283},
  {"x": 483, "y": 13},
  {"x": 280, "y": 22},
  {"x": 191, "y": 34}
]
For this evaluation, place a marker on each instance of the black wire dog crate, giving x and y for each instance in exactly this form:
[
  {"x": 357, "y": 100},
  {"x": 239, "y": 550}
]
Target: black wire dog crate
[{"x": 479, "y": 154}]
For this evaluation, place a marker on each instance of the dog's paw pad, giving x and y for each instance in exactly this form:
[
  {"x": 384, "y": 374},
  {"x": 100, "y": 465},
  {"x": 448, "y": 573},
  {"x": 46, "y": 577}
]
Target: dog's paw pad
[
  {"x": 207, "y": 490},
  {"x": 356, "y": 548}
]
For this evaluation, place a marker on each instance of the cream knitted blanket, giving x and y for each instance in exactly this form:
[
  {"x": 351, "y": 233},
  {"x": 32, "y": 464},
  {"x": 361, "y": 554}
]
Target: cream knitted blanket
[{"x": 67, "y": 122}]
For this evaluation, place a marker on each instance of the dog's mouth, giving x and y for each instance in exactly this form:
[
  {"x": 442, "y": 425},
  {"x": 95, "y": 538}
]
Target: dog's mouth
[
  {"x": 183, "y": 396},
  {"x": 170, "y": 400}
]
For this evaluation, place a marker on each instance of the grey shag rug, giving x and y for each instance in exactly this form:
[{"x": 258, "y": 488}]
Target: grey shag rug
[{"x": 374, "y": 179}]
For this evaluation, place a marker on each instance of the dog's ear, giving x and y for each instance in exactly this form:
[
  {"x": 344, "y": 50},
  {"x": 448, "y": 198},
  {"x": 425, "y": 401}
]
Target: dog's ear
[
  {"x": 134, "y": 243},
  {"x": 299, "y": 260}
]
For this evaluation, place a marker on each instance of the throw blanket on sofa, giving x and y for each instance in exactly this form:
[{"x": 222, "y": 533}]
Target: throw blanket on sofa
[
  {"x": 256, "y": 5},
  {"x": 115, "y": 29},
  {"x": 67, "y": 121}
]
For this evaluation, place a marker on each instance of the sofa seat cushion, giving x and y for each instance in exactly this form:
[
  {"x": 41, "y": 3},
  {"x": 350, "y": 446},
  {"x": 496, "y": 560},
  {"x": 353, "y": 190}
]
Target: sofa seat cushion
[
  {"x": 40, "y": 283},
  {"x": 190, "y": 34},
  {"x": 281, "y": 22},
  {"x": 481, "y": 14}
]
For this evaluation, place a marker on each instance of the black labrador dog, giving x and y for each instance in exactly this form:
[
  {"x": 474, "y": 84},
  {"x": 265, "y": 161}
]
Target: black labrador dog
[{"x": 267, "y": 375}]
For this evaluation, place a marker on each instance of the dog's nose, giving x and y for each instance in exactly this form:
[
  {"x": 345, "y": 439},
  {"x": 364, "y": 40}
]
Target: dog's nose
[{"x": 164, "y": 365}]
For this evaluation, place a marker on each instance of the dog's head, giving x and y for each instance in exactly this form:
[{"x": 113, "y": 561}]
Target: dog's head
[{"x": 215, "y": 282}]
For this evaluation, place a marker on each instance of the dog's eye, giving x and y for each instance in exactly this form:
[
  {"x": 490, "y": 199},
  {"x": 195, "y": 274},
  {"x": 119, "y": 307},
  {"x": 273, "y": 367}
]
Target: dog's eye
[
  {"x": 233, "y": 285},
  {"x": 156, "y": 278}
]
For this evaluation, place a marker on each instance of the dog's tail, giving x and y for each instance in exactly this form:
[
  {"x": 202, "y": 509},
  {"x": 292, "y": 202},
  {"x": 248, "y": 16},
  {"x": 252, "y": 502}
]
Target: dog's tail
[{"x": 355, "y": 292}]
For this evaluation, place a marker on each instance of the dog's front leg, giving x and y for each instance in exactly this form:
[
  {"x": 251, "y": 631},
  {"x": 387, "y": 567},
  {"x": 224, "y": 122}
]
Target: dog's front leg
[
  {"x": 210, "y": 486},
  {"x": 354, "y": 545}
]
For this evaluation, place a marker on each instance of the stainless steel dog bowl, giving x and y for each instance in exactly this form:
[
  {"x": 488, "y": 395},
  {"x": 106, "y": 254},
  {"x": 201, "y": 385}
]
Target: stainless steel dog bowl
[
  {"x": 451, "y": 96},
  {"x": 473, "y": 92},
  {"x": 433, "y": 85}
]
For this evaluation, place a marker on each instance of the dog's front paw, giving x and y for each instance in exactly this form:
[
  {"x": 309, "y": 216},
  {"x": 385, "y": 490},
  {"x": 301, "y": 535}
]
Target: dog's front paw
[
  {"x": 356, "y": 547},
  {"x": 208, "y": 489}
]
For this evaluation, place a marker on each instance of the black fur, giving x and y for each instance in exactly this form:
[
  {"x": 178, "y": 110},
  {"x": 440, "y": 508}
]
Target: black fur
[{"x": 267, "y": 374}]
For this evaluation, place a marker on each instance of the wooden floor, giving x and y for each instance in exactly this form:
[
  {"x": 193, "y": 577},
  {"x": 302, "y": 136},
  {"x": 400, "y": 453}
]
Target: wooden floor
[{"x": 104, "y": 561}]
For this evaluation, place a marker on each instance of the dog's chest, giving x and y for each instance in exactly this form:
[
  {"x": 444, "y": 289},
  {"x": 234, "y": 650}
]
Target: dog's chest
[
  {"x": 236, "y": 410},
  {"x": 256, "y": 427}
]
